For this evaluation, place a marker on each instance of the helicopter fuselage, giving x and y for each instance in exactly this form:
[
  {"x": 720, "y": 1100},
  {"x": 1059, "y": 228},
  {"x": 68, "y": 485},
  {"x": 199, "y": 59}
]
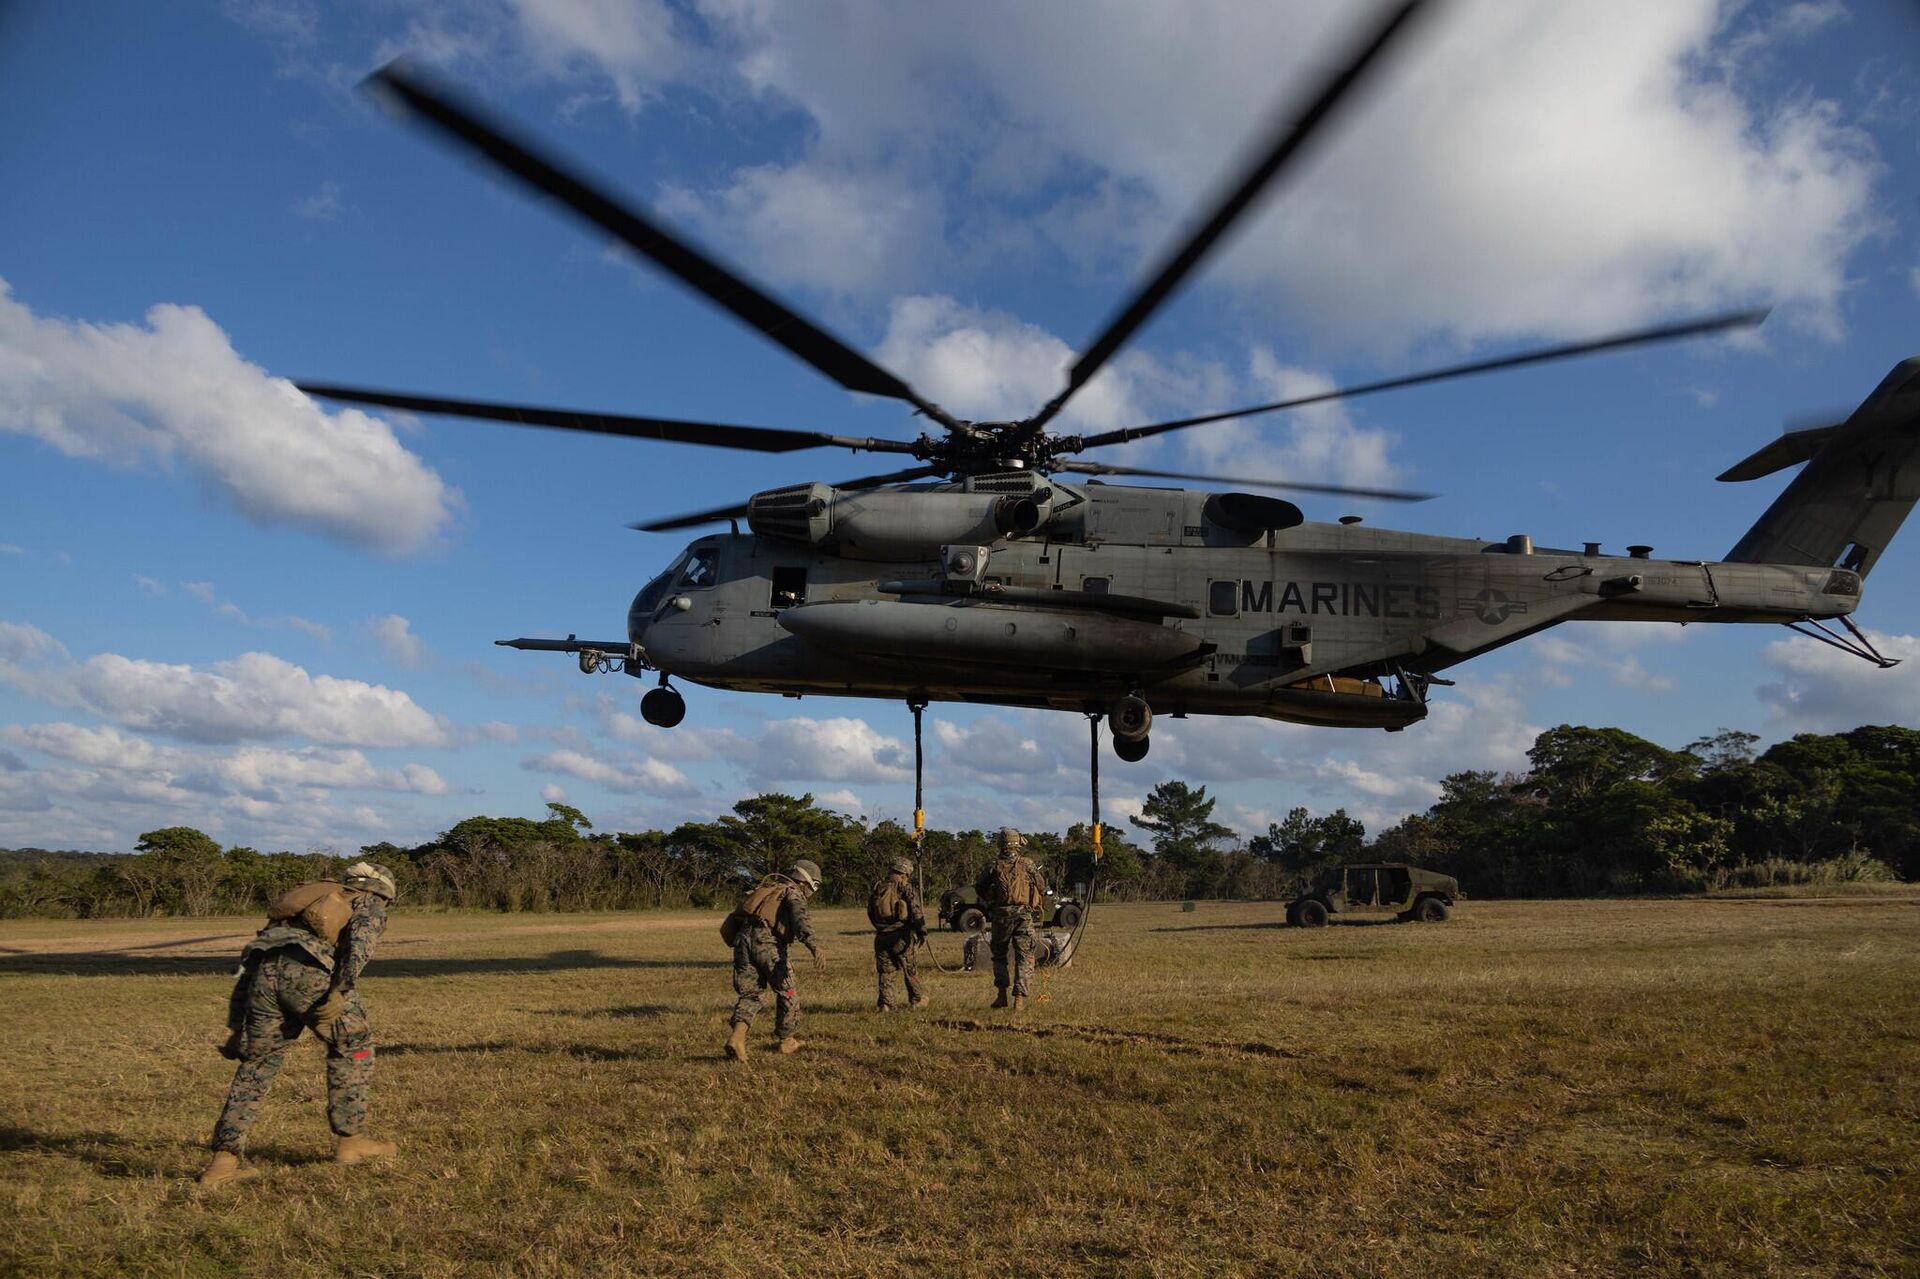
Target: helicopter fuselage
[{"x": 1139, "y": 591}]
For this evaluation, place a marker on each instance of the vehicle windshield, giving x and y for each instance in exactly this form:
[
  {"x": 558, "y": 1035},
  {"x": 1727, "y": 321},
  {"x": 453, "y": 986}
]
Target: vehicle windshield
[{"x": 702, "y": 567}]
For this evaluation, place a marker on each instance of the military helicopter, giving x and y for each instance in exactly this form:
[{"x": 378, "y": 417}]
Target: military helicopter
[{"x": 980, "y": 574}]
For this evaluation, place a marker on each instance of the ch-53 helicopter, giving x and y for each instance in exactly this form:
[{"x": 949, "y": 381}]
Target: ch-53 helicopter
[{"x": 981, "y": 575}]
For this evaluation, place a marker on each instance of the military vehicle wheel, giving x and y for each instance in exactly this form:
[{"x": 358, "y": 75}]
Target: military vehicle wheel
[
  {"x": 1311, "y": 913},
  {"x": 1293, "y": 914},
  {"x": 1067, "y": 916},
  {"x": 663, "y": 707},
  {"x": 1431, "y": 910},
  {"x": 972, "y": 919},
  {"x": 1131, "y": 749}
]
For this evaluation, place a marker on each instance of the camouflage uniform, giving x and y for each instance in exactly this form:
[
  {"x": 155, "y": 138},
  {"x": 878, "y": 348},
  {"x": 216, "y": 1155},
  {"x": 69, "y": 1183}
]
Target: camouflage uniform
[
  {"x": 1013, "y": 922},
  {"x": 292, "y": 973},
  {"x": 893, "y": 946},
  {"x": 760, "y": 961}
]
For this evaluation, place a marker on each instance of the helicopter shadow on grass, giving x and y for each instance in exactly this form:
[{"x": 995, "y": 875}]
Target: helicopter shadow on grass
[
  {"x": 1262, "y": 926},
  {"x": 119, "y": 963},
  {"x": 109, "y": 1154}
]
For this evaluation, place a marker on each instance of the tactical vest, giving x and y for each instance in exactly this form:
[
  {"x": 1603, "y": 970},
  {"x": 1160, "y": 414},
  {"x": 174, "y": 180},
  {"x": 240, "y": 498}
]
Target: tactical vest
[
  {"x": 759, "y": 904},
  {"x": 1014, "y": 883},
  {"x": 324, "y": 908},
  {"x": 886, "y": 904}
]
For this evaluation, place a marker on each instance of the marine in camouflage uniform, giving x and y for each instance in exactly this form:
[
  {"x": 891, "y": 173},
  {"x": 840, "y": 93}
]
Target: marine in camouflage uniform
[
  {"x": 893, "y": 942},
  {"x": 295, "y": 979},
  {"x": 1013, "y": 922},
  {"x": 760, "y": 963}
]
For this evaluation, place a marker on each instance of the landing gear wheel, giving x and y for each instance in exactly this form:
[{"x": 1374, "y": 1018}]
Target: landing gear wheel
[
  {"x": 663, "y": 707},
  {"x": 1311, "y": 914},
  {"x": 1130, "y": 719},
  {"x": 1131, "y": 749}
]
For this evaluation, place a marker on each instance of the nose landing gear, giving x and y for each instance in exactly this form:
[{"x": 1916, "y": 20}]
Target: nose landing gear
[
  {"x": 1131, "y": 749},
  {"x": 663, "y": 707}
]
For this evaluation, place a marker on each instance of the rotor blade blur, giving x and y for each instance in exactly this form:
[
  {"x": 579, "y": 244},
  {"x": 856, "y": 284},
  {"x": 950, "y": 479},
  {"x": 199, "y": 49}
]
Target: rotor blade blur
[
  {"x": 1617, "y": 342},
  {"x": 760, "y": 439},
  {"x": 1295, "y": 486},
  {"x": 721, "y": 285},
  {"x": 1293, "y": 133},
  {"x": 738, "y": 509}
]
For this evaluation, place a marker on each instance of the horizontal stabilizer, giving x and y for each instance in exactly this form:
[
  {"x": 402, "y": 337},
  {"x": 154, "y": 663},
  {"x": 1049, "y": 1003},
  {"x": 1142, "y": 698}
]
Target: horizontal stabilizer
[
  {"x": 1862, "y": 477},
  {"x": 1790, "y": 449}
]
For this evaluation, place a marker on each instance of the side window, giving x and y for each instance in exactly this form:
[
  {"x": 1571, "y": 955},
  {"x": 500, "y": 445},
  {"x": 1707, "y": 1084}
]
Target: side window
[
  {"x": 1096, "y": 585},
  {"x": 1223, "y": 598},
  {"x": 702, "y": 563},
  {"x": 789, "y": 587}
]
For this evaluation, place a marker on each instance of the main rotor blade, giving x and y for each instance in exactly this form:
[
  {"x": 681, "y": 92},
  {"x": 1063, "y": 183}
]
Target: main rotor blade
[
  {"x": 761, "y": 439},
  {"x": 738, "y": 509},
  {"x": 718, "y": 283},
  {"x": 1296, "y": 486},
  {"x": 1292, "y": 135},
  {"x": 1619, "y": 341}
]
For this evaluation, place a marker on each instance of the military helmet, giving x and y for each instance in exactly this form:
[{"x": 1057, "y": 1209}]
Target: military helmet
[
  {"x": 1009, "y": 841},
  {"x": 807, "y": 873},
  {"x": 371, "y": 877},
  {"x": 902, "y": 866}
]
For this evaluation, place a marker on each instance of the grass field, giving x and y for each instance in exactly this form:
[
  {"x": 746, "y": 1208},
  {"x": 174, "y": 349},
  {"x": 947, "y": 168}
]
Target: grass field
[{"x": 1701, "y": 1087}]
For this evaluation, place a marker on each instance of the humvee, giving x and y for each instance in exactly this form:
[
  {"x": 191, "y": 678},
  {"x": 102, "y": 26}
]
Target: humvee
[
  {"x": 1375, "y": 888},
  {"x": 960, "y": 909}
]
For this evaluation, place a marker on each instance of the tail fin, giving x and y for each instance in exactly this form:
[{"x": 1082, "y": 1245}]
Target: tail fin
[{"x": 1862, "y": 477}]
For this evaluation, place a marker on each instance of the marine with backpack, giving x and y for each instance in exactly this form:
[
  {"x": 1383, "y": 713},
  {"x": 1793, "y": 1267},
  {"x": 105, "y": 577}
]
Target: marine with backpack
[
  {"x": 771, "y": 916},
  {"x": 893, "y": 908}
]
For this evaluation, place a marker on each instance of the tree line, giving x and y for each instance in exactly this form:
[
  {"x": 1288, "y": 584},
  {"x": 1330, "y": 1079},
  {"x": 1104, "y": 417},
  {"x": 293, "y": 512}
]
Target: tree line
[{"x": 1597, "y": 811}]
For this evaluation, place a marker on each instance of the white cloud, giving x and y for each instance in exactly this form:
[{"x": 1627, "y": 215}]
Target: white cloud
[
  {"x": 1528, "y": 168},
  {"x": 834, "y": 750},
  {"x": 1822, "y": 689},
  {"x": 396, "y": 640},
  {"x": 649, "y": 775},
  {"x": 206, "y": 594},
  {"x": 8, "y": 548},
  {"x": 840, "y": 801},
  {"x": 323, "y": 205},
  {"x": 256, "y": 695},
  {"x": 1574, "y": 652},
  {"x": 835, "y": 230},
  {"x": 174, "y": 390},
  {"x": 554, "y": 793}
]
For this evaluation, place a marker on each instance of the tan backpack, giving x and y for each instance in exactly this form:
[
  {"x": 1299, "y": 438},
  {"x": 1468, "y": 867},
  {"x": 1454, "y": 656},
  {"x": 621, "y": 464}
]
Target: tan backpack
[
  {"x": 886, "y": 904},
  {"x": 323, "y": 907},
  {"x": 761, "y": 902},
  {"x": 1014, "y": 883}
]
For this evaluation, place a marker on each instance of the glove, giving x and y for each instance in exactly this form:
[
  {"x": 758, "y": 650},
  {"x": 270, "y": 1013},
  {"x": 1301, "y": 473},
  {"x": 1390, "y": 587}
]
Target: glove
[
  {"x": 231, "y": 1049},
  {"x": 327, "y": 1012}
]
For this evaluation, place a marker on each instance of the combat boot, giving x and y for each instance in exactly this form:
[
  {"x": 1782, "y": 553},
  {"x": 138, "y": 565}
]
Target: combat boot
[
  {"x": 1000, "y": 1000},
  {"x": 1019, "y": 1003},
  {"x": 737, "y": 1042},
  {"x": 226, "y": 1169},
  {"x": 918, "y": 1001},
  {"x": 351, "y": 1150},
  {"x": 792, "y": 1045}
]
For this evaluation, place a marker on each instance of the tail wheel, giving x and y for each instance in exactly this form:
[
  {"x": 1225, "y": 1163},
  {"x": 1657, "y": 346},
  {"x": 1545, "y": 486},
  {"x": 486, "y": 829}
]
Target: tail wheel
[{"x": 1131, "y": 749}]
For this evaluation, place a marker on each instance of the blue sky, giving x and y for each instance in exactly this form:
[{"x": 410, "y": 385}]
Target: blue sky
[{"x": 226, "y": 606}]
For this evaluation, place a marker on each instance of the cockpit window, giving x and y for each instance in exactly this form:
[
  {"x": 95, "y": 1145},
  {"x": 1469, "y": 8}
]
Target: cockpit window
[{"x": 702, "y": 568}]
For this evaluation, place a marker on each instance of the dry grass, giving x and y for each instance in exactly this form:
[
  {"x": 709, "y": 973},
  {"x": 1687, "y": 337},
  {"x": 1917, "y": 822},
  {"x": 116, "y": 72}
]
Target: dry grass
[{"x": 1705, "y": 1087}]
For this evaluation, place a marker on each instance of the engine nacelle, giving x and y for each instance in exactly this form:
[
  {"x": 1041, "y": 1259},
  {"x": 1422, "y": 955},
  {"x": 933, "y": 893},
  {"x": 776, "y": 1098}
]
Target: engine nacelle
[{"x": 892, "y": 524}]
